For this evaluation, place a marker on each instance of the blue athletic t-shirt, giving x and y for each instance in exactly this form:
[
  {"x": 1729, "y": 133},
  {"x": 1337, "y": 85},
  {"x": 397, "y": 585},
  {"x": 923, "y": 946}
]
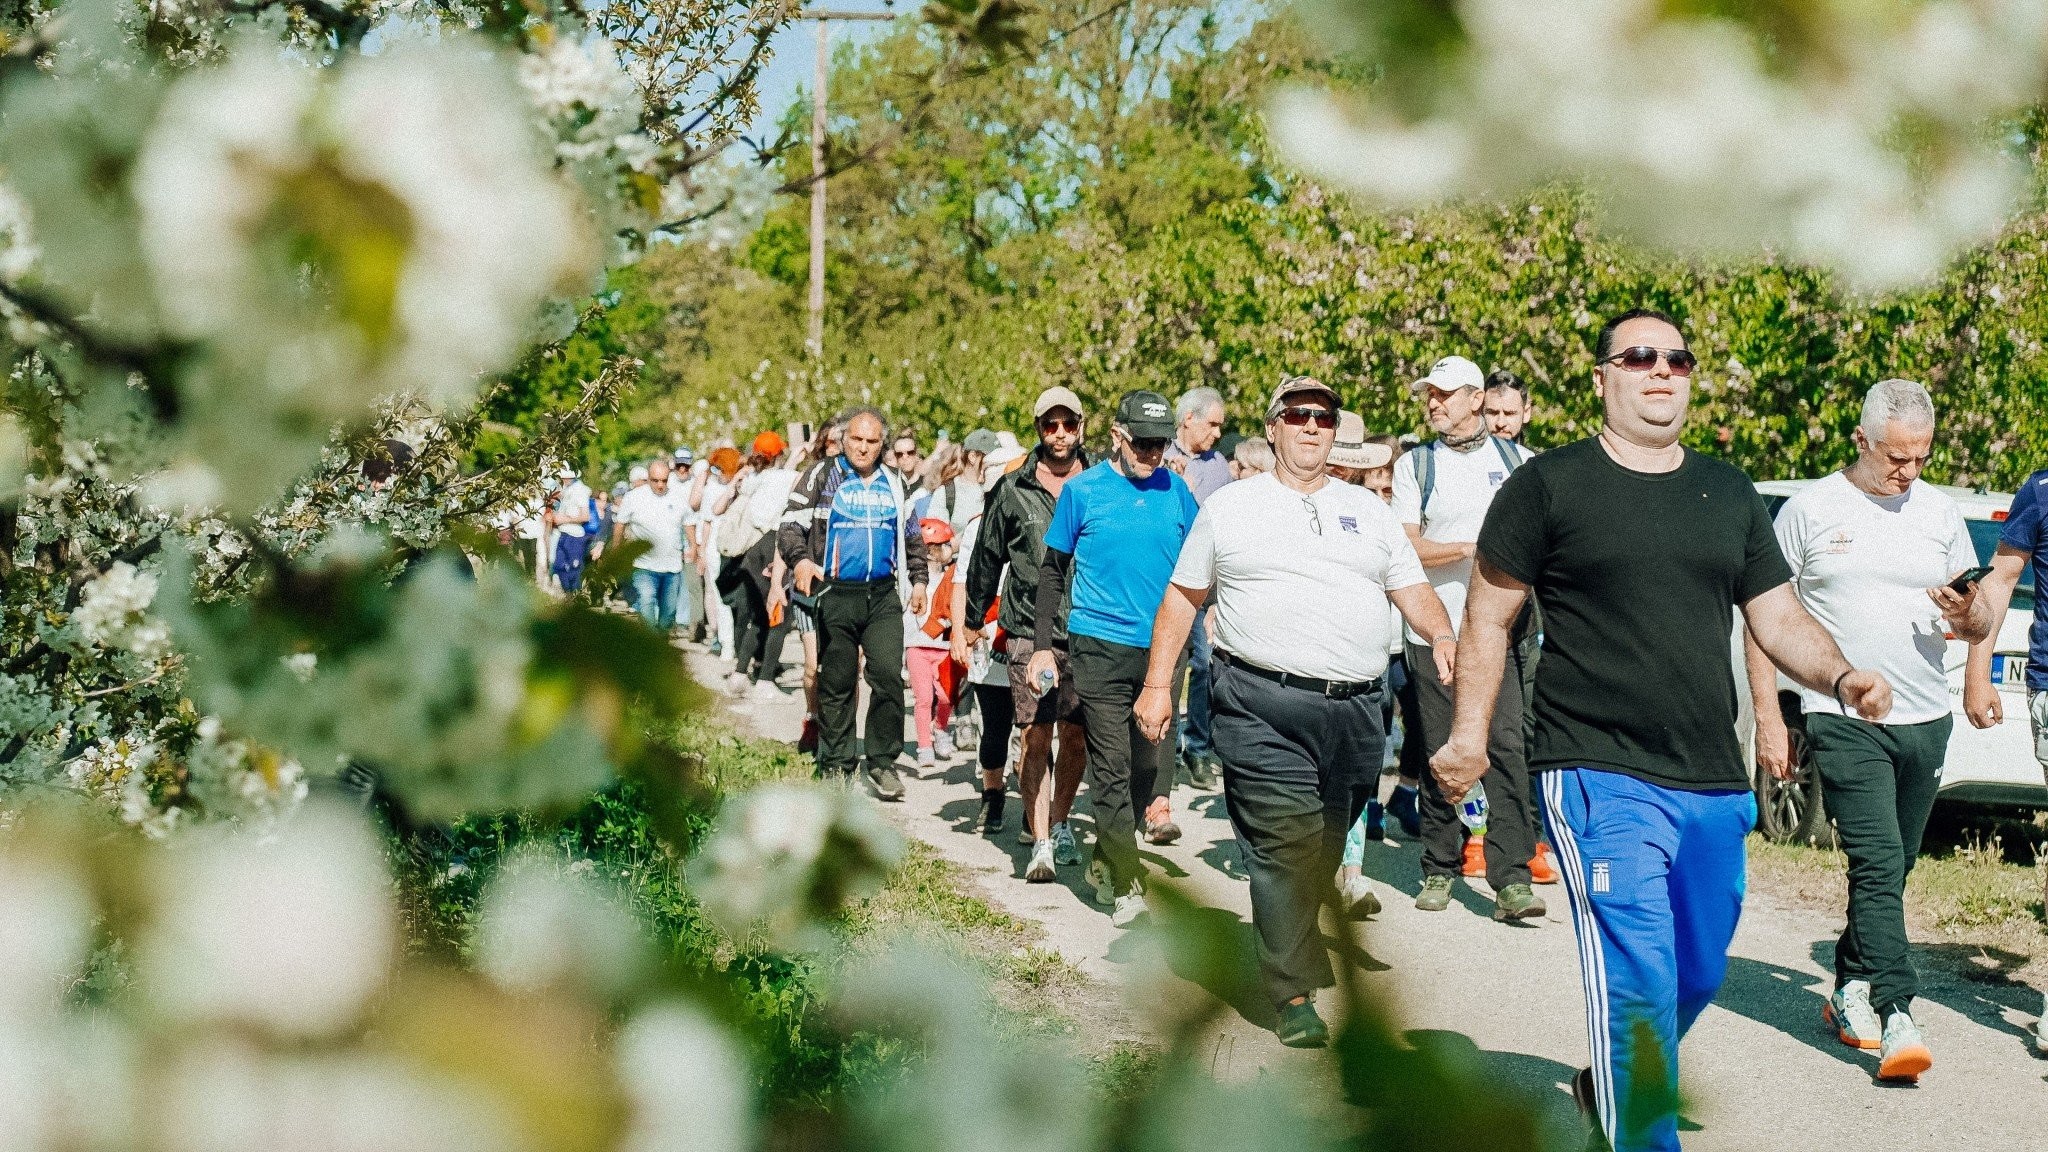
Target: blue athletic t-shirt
[
  {"x": 2026, "y": 528},
  {"x": 860, "y": 528},
  {"x": 1125, "y": 537}
]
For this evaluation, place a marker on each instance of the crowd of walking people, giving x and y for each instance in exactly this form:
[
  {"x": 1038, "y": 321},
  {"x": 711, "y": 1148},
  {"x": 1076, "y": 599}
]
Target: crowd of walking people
[{"x": 1521, "y": 659}]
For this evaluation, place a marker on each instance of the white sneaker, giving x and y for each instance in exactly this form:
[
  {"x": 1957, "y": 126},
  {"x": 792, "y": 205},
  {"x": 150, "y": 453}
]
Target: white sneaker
[
  {"x": 2041, "y": 1035},
  {"x": 1098, "y": 876},
  {"x": 1040, "y": 870},
  {"x": 1854, "y": 1020},
  {"x": 1358, "y": 900},
  {"x": 736, "y": 683},
  {"x": 942, "y": 744},
  {"x": 1129, "y": 909},
  {"x": 925, "y": 759},
  {"x": 1904, "y": 1055},
  {"x": 765, "y": 691}
]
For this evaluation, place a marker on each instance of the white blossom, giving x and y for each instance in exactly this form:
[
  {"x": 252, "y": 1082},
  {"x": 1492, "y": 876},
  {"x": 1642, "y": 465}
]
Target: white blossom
[
  {"x": 688, "y": 1085},
  {"x": 786, "y": 855},
  {"x": 542, "y": 925}
]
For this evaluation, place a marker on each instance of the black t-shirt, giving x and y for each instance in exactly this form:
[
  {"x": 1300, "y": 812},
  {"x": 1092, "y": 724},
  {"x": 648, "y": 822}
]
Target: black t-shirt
[{"x": 1638, "y": 575}]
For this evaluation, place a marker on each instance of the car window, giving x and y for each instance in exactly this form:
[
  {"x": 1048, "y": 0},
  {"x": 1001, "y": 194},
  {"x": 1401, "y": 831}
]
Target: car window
[{"x": 1984, "y": 538}]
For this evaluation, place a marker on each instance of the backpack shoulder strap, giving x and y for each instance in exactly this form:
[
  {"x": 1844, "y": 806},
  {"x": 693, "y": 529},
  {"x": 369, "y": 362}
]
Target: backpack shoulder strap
[
  {"x": 1511, "y": 453},
  {"x": 1425, "y": 473}
]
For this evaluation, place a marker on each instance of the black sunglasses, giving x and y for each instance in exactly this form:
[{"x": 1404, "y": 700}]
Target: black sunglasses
[
  {"x": 1057, "y": 424},
  {"x": 1642, "y": 358},
  {"x": 1298, "y": 416}
]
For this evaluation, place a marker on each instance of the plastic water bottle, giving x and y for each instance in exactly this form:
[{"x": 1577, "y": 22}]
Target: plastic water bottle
[
  {"x": 1472, "y": 809},
  {"x": 1045, "y": 680}
]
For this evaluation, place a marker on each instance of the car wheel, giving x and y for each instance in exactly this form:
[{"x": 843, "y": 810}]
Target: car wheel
[{"x": 1791, "y": 811}]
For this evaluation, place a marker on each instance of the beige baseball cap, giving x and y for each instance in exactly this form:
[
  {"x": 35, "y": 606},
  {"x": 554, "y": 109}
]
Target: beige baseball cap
[{"x": 1057, "y": 397}]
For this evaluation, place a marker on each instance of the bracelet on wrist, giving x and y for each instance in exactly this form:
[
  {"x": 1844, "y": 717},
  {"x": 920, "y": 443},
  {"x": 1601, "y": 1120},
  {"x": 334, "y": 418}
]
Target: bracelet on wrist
[
  {"x": 1838, "y": 688},
  {"x": 1436, "y": 640}
]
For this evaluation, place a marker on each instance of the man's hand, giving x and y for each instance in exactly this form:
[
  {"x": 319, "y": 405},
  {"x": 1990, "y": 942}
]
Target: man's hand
[
  {"x": 1445, "y": 651},
  {"x": 1869, "y": 693},
  {"x": 776, "y": 597},
  {"x": 1774, "y": 747},
  {"x": 1457, "y": 767},
  {"x": 1179, "y": 466},
  {"x": 917, "y": 599},
  {"x": 964, "y": 639},
  {"x": 1982, "y": 703},
  {"x": 1041, "y": 660},
  {"x": 1955, "y": 606},
  {"x": 1154, "y": 712},
  {"x": 807, "y": 574}
]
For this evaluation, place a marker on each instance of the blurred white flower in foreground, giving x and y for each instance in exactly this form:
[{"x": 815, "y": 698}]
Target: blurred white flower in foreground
[
  {"x": 545, "y": 924},
  {"x": 1694, "y": 139},
  {"x": 688, "y": 1085},
  {"x": 334, "y": 236},
  {"x": 226, "y": 1097},
  {"x": 785, "y": 857},
  {"x": 291, "y": 932}
]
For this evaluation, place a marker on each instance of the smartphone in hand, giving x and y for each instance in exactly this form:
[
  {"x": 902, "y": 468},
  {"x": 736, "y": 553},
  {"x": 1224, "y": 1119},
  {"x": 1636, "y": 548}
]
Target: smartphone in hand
[{"x": 1961, "y": 584}]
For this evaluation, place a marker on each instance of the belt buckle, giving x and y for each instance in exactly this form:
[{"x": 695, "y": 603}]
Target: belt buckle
[{"x": 1332, "y": 690}]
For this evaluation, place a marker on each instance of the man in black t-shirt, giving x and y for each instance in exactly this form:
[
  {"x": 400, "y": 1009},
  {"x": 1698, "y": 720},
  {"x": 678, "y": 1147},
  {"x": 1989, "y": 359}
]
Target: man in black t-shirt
[{"x": 1638, "y": 551}]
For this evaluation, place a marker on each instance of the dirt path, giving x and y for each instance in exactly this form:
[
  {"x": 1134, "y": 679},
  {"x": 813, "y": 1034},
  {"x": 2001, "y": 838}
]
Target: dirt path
[{"x": 1760, "y": 1071}]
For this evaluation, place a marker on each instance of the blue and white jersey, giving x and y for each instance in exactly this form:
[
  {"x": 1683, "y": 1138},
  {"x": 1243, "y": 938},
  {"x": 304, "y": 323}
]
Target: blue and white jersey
[{"x": 860, "y": 530}]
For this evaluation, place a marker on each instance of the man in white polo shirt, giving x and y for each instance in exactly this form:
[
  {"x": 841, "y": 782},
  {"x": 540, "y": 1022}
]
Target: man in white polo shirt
[
  {"x": 1300, "y": 568},
  {"x": 1441, "y": 493},
  {"x": 1873, "y": 549},
  {"x": 654, "y": 511}
]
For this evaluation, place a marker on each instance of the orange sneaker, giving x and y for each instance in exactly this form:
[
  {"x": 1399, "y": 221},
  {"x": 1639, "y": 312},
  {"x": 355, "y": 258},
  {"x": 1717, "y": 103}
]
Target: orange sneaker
[
  {"x": 1475, "y": 855},
  {"x": 1157, "y": 826},
  {"x": 1542, "y": 870}
]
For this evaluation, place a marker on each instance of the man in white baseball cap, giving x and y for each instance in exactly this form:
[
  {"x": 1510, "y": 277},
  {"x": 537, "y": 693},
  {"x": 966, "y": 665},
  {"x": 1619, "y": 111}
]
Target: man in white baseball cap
[{"x": 1441, "y": 494}]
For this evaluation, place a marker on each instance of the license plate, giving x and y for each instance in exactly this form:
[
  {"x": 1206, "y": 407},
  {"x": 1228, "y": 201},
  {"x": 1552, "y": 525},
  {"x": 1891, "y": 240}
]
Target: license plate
[{"x": 2008, "y": 671}]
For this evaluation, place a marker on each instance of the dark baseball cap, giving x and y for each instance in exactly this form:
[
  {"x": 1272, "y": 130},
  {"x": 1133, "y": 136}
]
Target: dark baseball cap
[{"x": 1145, "y": 415}]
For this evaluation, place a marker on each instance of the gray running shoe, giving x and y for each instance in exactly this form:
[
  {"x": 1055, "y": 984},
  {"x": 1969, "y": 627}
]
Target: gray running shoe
[
  {"x": 1202, "y": 771},
  {"x": 888, "y": 783},
  {"x": 1854, "y": 1020},
  {"x": 1517, "y": 902},
  {"x": 1300, "y": 1026},
  {"x": 1904, "y": 1055},
  {"x": 1435, "y": 895},
  {"x": 1040, "y": 870},
  {"x": 1065, "y": 849}
]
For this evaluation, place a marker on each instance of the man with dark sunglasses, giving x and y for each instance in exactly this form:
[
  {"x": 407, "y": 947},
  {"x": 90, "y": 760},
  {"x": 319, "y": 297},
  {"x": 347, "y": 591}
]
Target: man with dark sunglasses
[
  {"x": 1441, "y": 493},
  {"x": 1002, "y": 573},
  {"x": 1298, "y": 687},
  {"x": 1639, "y": 551},
  {"x": 1115, "y": 535}
]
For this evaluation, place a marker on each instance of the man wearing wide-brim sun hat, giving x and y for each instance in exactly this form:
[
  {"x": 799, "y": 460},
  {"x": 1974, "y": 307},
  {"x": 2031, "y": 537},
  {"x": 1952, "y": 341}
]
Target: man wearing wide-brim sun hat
[{"x": 1353, "y": 453}]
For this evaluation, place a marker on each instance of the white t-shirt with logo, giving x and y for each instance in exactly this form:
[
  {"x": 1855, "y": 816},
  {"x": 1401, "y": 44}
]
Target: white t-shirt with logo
[
  {"x": 658, "y": 519},
  {"x": 1299, "y": 582},
  {"x": 572, "y": 506},
  {"x": 1465, "y": 484},
  {"x": 1862, "y": 565}
]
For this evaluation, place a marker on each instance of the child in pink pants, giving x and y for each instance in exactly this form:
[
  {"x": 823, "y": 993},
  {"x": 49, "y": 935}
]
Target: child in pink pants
[{"x": 926, "y": 647}]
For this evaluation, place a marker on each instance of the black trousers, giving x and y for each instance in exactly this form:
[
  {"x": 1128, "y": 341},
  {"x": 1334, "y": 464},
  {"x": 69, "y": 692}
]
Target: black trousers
[
  {"x": 1879, "y": 782},
  {"x": 1297, "y": 770},
  {"x": 1510, "y": 818},
  {"x": 1126, "y": 772},
  {"x": 998, "y": 713},
  {"x": 854, "y": 619}
]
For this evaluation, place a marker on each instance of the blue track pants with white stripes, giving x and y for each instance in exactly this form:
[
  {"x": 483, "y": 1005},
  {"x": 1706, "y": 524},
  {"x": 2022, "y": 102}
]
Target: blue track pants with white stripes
[{"x": 1655, "y": 878}]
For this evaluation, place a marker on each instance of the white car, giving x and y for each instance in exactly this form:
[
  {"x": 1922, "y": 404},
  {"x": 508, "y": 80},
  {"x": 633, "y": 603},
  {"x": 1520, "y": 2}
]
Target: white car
[{"x": 1988, "y": 766}]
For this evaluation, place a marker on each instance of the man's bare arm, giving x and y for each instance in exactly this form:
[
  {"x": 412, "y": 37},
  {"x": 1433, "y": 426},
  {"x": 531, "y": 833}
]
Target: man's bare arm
[
  {"x": 1436, "y": 555},
  {"x": 1170, "y": 628},
  {"x": 1492, "y": 602}
]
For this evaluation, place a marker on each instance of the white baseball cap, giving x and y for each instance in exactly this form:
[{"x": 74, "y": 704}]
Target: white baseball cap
[{"x": 1450, "y": 374}]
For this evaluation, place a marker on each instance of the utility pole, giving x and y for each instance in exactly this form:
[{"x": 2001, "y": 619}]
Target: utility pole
[{"x": 814, "y": 340}]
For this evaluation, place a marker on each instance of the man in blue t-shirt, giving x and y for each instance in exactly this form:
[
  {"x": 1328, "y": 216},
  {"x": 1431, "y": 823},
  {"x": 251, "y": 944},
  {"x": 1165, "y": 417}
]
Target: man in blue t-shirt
[
  {"x": 1115, "y": 535},
  {"x": 2022, "y": 547}
]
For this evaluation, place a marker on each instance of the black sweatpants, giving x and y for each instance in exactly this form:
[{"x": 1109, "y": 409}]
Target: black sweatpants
[
  {"x": 1878, "y": 782},
  {"x": 1126, "y": 772},
  {"x": 1510, "y": 817},
  {"x": 1297, "y": 770},
  {"x": 998, "y": 713},
  {"x": 857, "y": 618}
]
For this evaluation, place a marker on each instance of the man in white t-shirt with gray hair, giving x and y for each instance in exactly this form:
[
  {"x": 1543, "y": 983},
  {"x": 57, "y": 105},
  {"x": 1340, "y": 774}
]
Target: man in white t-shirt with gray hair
[
  {"x": 1442, "y": 491},
  {"x": 1873, "y": 550},
  {"x": 1299, "y": 568}
]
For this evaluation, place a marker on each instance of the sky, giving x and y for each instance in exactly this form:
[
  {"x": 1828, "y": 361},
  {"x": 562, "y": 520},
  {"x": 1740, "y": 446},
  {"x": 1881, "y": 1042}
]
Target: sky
[{"x": 788, "y": 73}]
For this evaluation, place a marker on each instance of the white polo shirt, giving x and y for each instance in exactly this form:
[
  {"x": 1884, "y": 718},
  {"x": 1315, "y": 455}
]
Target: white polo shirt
[
  {"x": 1463, "y": 491},
  {"x": 1863, "y": 565},
  {"x": 656, "y": 517},
  {"x": 1299, "y": 582}
]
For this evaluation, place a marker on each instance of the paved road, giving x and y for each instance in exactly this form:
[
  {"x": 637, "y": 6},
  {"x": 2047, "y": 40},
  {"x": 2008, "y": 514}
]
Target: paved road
[{"x": 1759, "y": 1070}]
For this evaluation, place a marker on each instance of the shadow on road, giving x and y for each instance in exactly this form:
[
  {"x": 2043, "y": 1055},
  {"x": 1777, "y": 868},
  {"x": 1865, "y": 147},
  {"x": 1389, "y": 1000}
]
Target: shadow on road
[
  {"x": 1789, "y": 1001},
  {"x": 1544, "y": 1082}
]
